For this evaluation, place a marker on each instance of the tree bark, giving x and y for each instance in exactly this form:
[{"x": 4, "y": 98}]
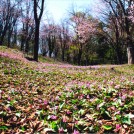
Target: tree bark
[
  {"x": 130, "y": 45},
  {"x": 22, "y": 39},
  {"x": 9, "y": 39},
  {"x": 3, "y": 34},
  {"x": 27, "y": 41},
  {"x": 129, "y": 42},
  {"x": 36, "y": 40},
  {"x": 37, "y": 19},
  {"x": 80, "y": 54},
  {"x": 63, "y": 55},
  {"x": 130, "y": 53}
]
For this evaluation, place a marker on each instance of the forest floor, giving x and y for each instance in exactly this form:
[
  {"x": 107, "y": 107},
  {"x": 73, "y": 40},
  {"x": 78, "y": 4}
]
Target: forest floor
[{"x": 53, "y": 97}]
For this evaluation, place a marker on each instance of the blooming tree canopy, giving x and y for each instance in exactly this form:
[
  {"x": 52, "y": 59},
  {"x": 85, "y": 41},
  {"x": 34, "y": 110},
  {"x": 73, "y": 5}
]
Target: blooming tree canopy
[{"x": 84, "y": 27}]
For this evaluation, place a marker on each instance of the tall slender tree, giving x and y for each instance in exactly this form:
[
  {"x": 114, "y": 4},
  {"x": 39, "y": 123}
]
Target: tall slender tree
[{"x": 38, "y": 12}]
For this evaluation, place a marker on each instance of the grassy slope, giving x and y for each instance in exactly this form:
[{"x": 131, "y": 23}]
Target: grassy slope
[{"x": 40, "y": 97}]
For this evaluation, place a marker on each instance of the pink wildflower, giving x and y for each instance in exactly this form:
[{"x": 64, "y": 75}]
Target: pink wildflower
[
  {"x": 39, "y": 101},
  {"x": 76, "y": 122},
  {"x": 61, "y": 130},
  {"x": 45, "y": 102},
  {"x": 56, "y": 107},
  {"x": 8, "y": 108},
  {"x": 68, "y": 112},
  {"x": 117, "y": 87},
  {"x": 53, "y": 117},
  {"x": 113, "y": 108},
  {"x": 57, "y": 98},
  {"x": 9, "y": 98},
  {"x": 64, "y": 119},
  {"x": 118, "y": 127},
  {"x": 88, "y": 97},
  {"x": 76, "y": 132},
  {"x": 111, "y": 83},
  {"x": 118, "y": 112},
  {"x": 123, "y": 97}
]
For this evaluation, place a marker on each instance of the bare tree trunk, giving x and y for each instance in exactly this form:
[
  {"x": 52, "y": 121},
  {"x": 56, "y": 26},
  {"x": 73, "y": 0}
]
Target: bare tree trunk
[
  {"x": 3, "y": 34},
  {"x": 27, "y": 41},
  {"x": 49, "y": 46},
  {"x": 130, "y": 53},
  {"x": 80, "y": 54},
  {"x": 15, "y": 37},
  {"x": 36, "y": 40},
  {"x": 130, "y": 45},
  {"x": 9, "y": 39},
  {"x": 22, "y": 39},
  {"x": 22, "y": 43},
  {"x": 63, "y": 54},
  {"x": 37, "y": 18},
  {"x": 79, "y": 57}
]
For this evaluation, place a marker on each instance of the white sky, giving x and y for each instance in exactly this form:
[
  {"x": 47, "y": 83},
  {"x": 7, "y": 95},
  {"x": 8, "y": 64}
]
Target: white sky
[{"x": 58, "y": 8}]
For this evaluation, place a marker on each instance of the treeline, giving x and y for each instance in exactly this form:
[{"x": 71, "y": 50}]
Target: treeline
[{"x": 78, "y": 39}]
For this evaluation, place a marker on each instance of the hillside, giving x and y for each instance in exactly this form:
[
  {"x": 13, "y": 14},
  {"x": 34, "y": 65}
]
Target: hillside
[{"x": 48, "y": 97}]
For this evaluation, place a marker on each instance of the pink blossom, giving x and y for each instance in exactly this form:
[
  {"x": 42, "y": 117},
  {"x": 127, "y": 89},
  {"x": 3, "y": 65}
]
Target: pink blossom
[
  {"x": 61, "y": 130},
  {"x": 8, "y": 108},
  {"x": 45, "y": 102},
  {"x": 118, "y": 112},
  {"x": 88, "y": 96},
  {"x": 53, "y": 117},
  {"x": 76, "y": 132},
  {"x": 104, "y": 81},
  {"x": 68, "y": 112},
  {"x": 56, "y": 107},
  {"x": 57, "y": 98},
  {"x": 84, "y": 27},
  {"x": 76, "y": 122},
  {"x": 123, "y": 97},
  {"x": 117, "y": 86},
  {"x": 40, "y": 101},
  {"x": 113, "y": 108},
  {"x": 111, "y": 83},
  {"x": 67, "y": 89},
  {"x": 1, "y": 92},
  {"x": 64, "y": 119},
  {"x": 9, "y": 98},
  {"x": 81, "y": 96},
  {"x": 118, "y": 127}
]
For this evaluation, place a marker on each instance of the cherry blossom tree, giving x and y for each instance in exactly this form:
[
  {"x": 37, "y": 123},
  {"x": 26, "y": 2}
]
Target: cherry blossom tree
[{"x": 84, "y": 27}]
